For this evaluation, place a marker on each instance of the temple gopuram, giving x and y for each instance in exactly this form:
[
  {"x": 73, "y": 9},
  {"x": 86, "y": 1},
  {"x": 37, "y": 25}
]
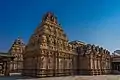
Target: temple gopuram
[
  {"x": 50, "y": 53},
  {"x": 16, "y": 50}
]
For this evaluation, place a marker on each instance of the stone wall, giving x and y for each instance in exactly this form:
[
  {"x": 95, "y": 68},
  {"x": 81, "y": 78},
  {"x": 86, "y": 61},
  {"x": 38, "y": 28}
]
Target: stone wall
[{"x": 92, "y": 59}]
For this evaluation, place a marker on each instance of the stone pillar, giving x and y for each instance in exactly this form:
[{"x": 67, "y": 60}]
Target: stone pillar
[
  {"x": 106, "y": 66},
  {"x": 97, "y": 70},
  {"x": 91, "y": 63},
  {"x": 93, "y": 70},
  {"x": 99, "y": 66},
  {"x": 7, "y": 68},
  {"x": 104, "y": 63},
  {"x": 95, "y": 66},
  {"x": 110, "y": 66}
]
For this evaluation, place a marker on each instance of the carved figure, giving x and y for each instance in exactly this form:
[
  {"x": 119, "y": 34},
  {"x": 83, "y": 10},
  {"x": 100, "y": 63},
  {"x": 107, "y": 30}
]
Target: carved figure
[
  {"x": 44, "y": 39},
  {"x": 50, "y": 62},
  {"x": 43, "y": 62}
]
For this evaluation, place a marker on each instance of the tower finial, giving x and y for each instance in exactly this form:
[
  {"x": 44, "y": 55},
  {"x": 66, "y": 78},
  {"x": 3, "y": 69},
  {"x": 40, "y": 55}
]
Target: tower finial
[{"x": 50, "y": 16}]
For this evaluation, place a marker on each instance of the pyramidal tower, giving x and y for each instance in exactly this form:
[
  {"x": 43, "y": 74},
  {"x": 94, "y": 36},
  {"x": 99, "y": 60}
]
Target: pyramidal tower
[
  {"x": 17, "y": 50},
  {"x": 48, "y": 52}
]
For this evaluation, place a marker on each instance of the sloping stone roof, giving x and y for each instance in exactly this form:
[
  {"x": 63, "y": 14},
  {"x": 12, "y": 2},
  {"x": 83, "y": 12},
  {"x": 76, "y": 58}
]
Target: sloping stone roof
[{"x": 2, "y": 54}]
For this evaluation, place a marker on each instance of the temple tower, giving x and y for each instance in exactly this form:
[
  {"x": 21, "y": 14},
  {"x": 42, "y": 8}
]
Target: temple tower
[
  {"x": 48, "y": 52},
  {"x": 16, "y": 50}
]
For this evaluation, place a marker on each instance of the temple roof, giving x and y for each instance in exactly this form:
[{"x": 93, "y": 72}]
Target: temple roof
[
  {"x": 2, "y": 54},
  {"x": 17, "y": 42},
  {"x": 76, "y": 42}
]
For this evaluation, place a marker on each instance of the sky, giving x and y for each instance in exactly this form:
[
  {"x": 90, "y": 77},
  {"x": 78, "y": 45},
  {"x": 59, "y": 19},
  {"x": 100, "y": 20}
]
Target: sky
[{"x": 90, "y": 21}]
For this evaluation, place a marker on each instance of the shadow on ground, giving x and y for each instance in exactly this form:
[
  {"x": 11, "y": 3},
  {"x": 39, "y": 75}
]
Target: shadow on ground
[
  {"x": 100, "y": 77},
  {"x": 14, "y": 77}
]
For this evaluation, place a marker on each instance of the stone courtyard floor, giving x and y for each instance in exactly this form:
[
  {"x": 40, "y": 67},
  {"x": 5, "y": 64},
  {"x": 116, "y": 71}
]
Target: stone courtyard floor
[{"x": 100, "y": 77}]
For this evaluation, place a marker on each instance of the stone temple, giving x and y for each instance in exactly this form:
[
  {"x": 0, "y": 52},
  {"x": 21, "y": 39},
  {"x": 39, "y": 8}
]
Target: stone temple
[
  {"x": 16, "y": 51},
  {"x": 50, "y": 53}
]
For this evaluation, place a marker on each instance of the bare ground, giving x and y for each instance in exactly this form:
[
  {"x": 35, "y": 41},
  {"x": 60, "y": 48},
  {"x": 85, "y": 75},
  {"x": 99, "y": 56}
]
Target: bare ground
[{"x": 100, "y": 77}]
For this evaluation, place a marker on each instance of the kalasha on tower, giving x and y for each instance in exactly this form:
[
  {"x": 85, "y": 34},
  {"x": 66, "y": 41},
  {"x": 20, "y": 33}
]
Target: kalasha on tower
[{"x": 48, "y": 52}]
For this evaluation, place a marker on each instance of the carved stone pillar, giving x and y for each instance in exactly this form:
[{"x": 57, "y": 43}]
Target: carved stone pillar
[
  {"x": 93, "y": 71},
  {"x": 99, "y": 66},
  {"x": 91, "y": 63},
  {"x": 97, "y": 70},
  {"x": 95, "y": 66}
]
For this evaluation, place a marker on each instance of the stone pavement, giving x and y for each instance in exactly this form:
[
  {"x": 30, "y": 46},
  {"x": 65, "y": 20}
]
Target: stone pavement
[{"x": 100, "y": 77}]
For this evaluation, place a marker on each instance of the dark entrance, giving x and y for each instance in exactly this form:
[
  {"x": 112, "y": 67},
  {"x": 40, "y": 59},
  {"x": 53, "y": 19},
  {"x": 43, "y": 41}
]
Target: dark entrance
[
  {"x": 5, "y": 64},
  {"x": 116, "y": 66}
]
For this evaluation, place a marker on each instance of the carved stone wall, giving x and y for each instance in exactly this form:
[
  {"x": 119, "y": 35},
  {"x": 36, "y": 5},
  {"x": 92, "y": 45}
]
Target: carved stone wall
[{"x": 92, "y": 59}]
